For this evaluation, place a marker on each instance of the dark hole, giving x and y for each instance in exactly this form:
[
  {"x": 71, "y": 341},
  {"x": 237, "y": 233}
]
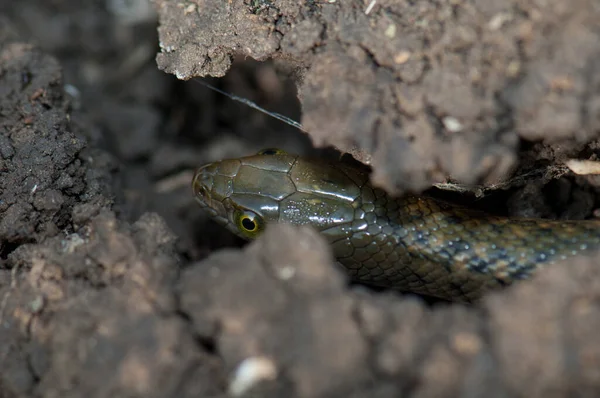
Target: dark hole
[
  {"x": 7, "y": 247},
  {"x": 270, "y": 151}
]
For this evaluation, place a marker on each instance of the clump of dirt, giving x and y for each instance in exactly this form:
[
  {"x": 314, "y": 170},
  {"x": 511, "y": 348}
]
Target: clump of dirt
[
  {"x": 49, "y": 181},
  {"x": 421, "y": 90},
  {"x": 111, "y": 283},
  {"x": 97, "y": 309}
]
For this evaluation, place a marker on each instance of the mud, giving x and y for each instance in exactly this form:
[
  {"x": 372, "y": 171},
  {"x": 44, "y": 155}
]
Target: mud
[{"x": 114, "y": 283}]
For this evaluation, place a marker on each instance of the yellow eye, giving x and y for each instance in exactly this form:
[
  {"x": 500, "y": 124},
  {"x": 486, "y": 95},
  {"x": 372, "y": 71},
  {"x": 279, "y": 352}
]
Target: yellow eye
[
  {"x": 272, "y": 151},
  {"x": 248, "y": 223}
]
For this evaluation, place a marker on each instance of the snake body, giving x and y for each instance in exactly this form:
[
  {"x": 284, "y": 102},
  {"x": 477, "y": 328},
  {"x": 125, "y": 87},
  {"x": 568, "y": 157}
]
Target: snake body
[{"x": 412, "y": 243}]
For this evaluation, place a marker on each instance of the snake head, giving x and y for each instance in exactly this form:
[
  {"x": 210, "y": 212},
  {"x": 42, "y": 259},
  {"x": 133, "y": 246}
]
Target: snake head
[{"x": 247, "y": 194}]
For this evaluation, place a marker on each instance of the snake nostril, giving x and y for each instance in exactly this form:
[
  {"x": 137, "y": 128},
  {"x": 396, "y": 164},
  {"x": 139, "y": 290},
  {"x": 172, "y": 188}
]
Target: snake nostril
[
  {"x": 202, "y": 181},
  {"x": 199, "y": 187}
]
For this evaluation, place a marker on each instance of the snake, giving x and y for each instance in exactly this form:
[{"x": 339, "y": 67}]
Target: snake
[{"x": 412, "y": 243}]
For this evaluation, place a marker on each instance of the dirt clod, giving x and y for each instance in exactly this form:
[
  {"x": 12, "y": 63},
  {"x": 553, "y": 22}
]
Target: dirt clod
[
  {"x": 44, "y": 173},
  {"x": 448, "y": 86}
]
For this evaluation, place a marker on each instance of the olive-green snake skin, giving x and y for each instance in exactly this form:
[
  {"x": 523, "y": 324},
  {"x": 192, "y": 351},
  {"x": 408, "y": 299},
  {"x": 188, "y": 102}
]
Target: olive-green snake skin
[{"x": 412, "y": 243}]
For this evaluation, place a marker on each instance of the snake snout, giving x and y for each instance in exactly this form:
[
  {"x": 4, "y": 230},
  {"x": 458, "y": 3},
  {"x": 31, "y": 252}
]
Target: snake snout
[{"x": 202, "y": 182}]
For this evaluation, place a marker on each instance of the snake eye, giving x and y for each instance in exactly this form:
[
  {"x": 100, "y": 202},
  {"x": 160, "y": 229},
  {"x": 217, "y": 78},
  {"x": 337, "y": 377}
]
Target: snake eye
[
  {"x": 272, "y": 151},
  {"x": 248, "y": 223}
]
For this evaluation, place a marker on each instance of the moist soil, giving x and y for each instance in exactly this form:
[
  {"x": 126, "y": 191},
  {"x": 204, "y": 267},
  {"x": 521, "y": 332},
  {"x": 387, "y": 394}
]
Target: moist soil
[{"x": 113, "y": 283}]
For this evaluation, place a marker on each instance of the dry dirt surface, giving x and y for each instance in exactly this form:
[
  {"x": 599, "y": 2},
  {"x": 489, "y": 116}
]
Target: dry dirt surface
[
  {"x": 113, "y": 283},
  {"x": 420, "y": 89}
]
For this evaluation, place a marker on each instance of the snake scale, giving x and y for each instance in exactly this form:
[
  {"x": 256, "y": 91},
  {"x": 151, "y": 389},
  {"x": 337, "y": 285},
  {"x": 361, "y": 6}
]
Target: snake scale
[{"x": 412, "y": 243}]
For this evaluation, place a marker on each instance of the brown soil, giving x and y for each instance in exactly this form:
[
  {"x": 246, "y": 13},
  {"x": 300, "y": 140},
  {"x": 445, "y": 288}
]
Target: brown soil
[{"x": 114, "y": 284}]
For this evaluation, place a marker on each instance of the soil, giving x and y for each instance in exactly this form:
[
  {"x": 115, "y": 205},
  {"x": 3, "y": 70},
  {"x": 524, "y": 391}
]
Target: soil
[{"x": 114, "y": 283}]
